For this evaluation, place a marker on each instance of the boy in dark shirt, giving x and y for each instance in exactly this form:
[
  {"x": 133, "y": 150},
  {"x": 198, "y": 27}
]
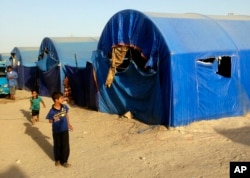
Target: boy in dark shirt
[{"x": 58, "y": 116}]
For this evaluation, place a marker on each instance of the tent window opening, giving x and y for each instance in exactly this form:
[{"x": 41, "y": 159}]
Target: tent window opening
[
  {"x": 223, "y": 65},
  {"x": 135, "y": 55}
]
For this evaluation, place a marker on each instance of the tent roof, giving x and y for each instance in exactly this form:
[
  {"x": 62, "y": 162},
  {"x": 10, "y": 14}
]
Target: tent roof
[
  {"x": 173, "y": 34},
  {"x": 65, "y": 49},
  {"x": 26, "y": 55},
  {"x": 5, "y": 56},
  {"x": 237, "y": 28}
]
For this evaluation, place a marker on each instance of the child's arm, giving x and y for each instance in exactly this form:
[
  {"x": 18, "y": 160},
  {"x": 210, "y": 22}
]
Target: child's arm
[
  {"x": 43, "y": 103},
  {"x": 49, "y": 117},
  {"x": 15, "y": 75},
  {"x": 69, "y": 125}
]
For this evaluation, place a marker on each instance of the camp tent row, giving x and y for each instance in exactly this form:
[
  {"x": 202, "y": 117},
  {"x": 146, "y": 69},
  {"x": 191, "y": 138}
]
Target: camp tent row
[
  {"x": 61, "y": 57},
  {"x": 173, "y": 69},
  {"x": 170, "y": 69},
  {"x": 44, "y": 68}
]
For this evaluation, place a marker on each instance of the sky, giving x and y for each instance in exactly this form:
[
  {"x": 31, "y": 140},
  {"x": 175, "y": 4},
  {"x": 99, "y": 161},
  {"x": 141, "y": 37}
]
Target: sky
[{"x": 25, "y": 23}]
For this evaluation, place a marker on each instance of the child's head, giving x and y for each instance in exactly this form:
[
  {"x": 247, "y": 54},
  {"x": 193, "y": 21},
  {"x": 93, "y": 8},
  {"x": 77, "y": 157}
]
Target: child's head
[
  {"x": 9, "y": 68},
  {"x": 57, "y": 96},
  {"x": 34, "y": 93}
]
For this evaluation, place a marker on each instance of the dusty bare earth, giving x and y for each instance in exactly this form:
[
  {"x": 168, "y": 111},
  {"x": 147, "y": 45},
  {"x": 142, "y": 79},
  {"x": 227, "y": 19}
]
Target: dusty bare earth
[{"x": 106, "y": 146}]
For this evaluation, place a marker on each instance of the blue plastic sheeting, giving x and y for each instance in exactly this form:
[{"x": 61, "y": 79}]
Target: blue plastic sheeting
[
  {"x": 83, "y": 87},
  {"x": 46, "y": 85},
  {"x": 132, "y": 91},
  {"x": 26, "y": 70},
  {"x": 177, "y": 46},
  {"x": 60, "y": 51},
  {"x": 5, "y": 56}
]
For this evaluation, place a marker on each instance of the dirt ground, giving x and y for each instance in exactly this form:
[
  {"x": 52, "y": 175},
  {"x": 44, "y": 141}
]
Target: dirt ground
[{"x": 107, "y": 146}]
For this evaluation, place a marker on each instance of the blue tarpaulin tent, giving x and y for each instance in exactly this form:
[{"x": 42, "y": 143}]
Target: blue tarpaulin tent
[
  {"x": 174, "y": 69},
  {"x": 6, "y": 57},
  {"x": 23, "y": 60},
  {"x": 65, "y": 56}
]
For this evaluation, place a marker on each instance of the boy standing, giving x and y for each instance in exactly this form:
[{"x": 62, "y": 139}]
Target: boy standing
[
  {"x": 58, "y": 116},
  {"x": 35, "y": 106}
]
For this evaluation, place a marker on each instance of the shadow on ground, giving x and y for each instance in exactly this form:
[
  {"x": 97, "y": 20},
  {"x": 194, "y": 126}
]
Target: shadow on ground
[
  {"x": 40, "y": 139},
  {"x": 26, "y": 114},
  {"x": 14, "y": 171},
  {"x": 239, "y": 135}
]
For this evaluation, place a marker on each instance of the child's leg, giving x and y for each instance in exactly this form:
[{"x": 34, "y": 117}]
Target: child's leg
[
  {"x": 57, "y": 146},
  {"x": 65, "y": 149},
  {"x": 37, "y": 118},
  {"x": 33, "y": 120},
  {"x": 37, "y": 113}
]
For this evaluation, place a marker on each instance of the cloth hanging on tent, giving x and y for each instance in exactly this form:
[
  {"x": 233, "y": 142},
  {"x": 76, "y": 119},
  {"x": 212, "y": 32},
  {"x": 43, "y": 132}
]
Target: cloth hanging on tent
[
  {"x": 118, "y": 54},
  {"x": 67, "y": 90}
]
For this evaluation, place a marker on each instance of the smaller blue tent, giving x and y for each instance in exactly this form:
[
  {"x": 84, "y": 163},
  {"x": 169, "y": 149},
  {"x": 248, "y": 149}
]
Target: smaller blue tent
[
  {"x": 6, "y": 57},
  {"x": 23, "y": 61},
  {"x": 174, "y": 69},
  {"x": 66, "y": 56}
]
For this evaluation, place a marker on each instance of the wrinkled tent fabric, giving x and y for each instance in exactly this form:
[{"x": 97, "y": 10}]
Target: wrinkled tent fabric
[
  {"x": 118, "y": 55},
  {"x": 125, "y": 94},
  {"x": 27, "y": 69},
  {"x": 60, "y": 57},
  {"x": 187, "y": 89}
]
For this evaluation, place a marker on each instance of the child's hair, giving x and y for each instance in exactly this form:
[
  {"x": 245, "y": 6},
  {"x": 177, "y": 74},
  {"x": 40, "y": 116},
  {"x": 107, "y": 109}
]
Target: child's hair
[
  {"x": 34, "y": 90},
  {"x": 9, "y": 67},
  {"x": 56, "y": 95}
]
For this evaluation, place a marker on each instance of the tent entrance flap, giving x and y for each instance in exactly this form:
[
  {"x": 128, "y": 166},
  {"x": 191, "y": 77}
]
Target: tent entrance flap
[
  {"x": 83, "y": 86},
  {"x": 135, "y": 55},
  {"x": 132, "y": 90},
  {"x": 49, "y": 81},
  {"x": 120, "y": 60},
  {"x": 118, "y": 54}
]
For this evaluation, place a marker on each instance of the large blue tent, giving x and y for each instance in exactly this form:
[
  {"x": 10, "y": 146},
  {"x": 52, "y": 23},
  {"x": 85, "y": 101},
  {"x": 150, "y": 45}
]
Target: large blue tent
[
  {"x": 23, "y": 60},
  {"x": 174, "y": 69},
  {"x": 66, "y": 56}
]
